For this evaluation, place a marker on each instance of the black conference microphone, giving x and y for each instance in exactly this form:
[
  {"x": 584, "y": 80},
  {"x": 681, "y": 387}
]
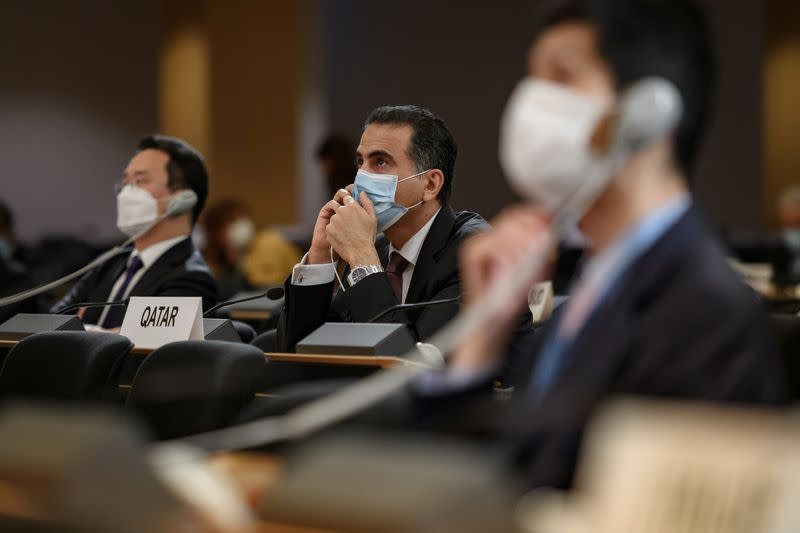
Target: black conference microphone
[
  {"x": 275, "y": 293},
  {"x": 88, "y": 305},
  {"x": 181, "y": 202},
  {"x": 414, "y": 307}
]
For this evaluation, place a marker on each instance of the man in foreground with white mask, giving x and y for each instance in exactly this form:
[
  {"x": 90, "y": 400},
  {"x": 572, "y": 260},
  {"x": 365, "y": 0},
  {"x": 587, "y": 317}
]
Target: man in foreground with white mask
[
  {"x": 406, "y": 159},
  {"x": 163, "y": 261},
  {"x": 655, "y": 311}
]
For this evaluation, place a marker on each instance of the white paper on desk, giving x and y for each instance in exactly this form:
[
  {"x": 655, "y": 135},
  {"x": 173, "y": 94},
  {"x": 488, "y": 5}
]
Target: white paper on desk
[{"x": 152, "y": 321}]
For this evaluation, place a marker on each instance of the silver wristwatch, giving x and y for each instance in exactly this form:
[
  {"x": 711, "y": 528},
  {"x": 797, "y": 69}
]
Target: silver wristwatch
[{"x": 360, "y": 272}]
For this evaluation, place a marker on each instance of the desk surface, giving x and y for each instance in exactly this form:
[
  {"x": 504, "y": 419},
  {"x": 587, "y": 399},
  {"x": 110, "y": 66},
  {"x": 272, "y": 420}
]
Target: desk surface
[{"x": 382, "y": 361}]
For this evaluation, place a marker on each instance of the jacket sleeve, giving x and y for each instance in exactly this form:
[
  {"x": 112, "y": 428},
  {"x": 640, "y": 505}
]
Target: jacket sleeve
[
  {"x": 367, "y": 298},
  {"x": 305, "y": 308}
]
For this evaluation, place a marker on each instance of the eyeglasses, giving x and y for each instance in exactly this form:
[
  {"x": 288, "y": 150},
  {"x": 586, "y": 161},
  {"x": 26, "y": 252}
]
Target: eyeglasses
[{"x": 137, "y": 181}]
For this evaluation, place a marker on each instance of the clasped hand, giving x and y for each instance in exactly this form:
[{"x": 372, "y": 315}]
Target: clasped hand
[{"x": 347, "y": 226}]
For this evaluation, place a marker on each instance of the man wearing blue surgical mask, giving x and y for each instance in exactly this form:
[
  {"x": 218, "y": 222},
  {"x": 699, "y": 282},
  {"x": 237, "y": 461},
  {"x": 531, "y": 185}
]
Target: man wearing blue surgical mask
[{"x": 392, "y": 233}]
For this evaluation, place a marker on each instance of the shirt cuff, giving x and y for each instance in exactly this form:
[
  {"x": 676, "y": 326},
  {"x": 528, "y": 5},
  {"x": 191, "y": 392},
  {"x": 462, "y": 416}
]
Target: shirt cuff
[{"x": 305, "y": 275}]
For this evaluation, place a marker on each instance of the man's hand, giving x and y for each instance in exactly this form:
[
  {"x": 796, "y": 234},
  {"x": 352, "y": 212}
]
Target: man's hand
[
  {"x": 352, "y": 230},
  {"x": 320, "y": 251},
  {"x": 491, "y": 255}
]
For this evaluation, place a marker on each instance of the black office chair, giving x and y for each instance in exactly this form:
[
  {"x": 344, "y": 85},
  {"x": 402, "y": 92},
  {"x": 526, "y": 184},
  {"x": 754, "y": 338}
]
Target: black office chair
[
  {"x": 245, "y": 331},
  {"x": 64, "y": 365},
  {"x": 190, "y": 387},
  {"x": 786, "y": 329},
  {"x": 267, "y": 342}
]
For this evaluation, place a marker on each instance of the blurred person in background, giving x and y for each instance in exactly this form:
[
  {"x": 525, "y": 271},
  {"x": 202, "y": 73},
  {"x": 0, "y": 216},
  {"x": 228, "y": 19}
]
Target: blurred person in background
[
  {"x": 336, "y": 156},
  {"x": 163, "y": 261},
  {"x": 786, "y": 252},
  {"x": 241, "y": 257},
  {"x": 11, "y": 249},
  {"x": 229, "y": 230},
  {"x": 655, "y": 310},
  {"x": 15, "y": 274}
]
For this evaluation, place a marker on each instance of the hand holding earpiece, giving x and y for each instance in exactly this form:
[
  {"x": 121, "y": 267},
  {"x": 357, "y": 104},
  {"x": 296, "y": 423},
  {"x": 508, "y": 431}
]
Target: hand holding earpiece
[
  {"x": 320, "y": 247},
  {"x": 352, "y": 230}
]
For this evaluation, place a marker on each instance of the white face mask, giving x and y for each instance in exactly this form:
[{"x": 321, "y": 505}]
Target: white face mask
[
  {"x": 136, "y": 209},
  {"x": 545, "y": 137},
  {"x": 240, "y": 233}
]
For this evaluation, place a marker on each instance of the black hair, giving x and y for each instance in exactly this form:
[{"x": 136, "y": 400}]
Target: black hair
[
  {"x": 185, "y": 169},
  {"x": 339, "y": 150},
  {"x": 641, "y": 38},
  {"x": 432, "y": 144}
]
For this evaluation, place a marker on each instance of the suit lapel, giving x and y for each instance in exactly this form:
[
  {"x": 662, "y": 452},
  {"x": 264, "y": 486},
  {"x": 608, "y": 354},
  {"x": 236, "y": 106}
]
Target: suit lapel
[
  {"x": 102, "y": 291},
  {"x": 436, "y": 240},
  {"x": 600, "y": 346},
  {"x": 605, "y": 340},
  {"x": 154, "y": 276}
]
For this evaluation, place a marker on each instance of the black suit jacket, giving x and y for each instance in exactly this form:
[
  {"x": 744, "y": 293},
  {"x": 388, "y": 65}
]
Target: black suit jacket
[
  {"x": 435, "y": 277},
  {"x": 180, "y": 271},
  {"x": 680, "y": 325}
]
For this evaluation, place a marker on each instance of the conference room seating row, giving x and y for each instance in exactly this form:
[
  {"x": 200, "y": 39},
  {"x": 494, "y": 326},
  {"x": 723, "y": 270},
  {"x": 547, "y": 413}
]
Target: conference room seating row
[
  {"x": 189, "y": 387},
  {"x": 179, "y": 389}
]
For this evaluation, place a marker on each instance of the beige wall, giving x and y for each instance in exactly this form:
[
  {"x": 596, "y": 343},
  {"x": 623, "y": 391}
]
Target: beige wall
[
  {"x": 77, "y": 91},
  {"x": 781, "y": 102},
  {"x": 231, "y": 78}
]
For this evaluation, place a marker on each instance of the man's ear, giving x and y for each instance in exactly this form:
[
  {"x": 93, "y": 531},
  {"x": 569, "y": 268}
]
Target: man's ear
[{"x": 434, "y": 181}]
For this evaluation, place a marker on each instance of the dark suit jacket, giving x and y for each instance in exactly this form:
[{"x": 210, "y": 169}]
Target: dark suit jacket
[
  {"x": 435, "y": 277},
  {"x": 180, "y": 271},
  {"x": 681, "y": 324}
]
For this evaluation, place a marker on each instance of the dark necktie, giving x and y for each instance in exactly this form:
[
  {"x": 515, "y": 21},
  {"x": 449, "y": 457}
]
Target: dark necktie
[
  {"x": 394, "y": 271},
  {"x": 113, "y": 319}
]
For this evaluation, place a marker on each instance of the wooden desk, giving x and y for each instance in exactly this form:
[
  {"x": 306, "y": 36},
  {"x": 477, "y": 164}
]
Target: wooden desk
[
  {"x": 254, "y": 475},
  {"x": 382, "y": 361},
  {"x": 7, "y": 344},
  {"x": 250, "y": 315},
  {"x": 376, "y": 362}
]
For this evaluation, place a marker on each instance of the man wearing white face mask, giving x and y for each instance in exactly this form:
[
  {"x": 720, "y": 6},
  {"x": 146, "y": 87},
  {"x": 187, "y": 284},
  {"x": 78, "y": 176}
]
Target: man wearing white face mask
[
  {"x": 163, "y": 261},
  {"x": 406, "y": 158},
  {"x": 655, "y": 311}
]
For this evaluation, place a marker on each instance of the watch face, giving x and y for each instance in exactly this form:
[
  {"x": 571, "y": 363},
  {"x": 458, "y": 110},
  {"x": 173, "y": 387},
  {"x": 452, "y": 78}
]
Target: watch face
[{"x": 357, "y": 275}]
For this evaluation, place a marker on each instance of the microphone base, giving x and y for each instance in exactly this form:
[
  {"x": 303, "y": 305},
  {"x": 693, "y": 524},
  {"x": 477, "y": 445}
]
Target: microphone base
[
  {"x": 349, "y": 338},
  {"x": 24, "y": 324},
  {"x": 220, "y": 329}
]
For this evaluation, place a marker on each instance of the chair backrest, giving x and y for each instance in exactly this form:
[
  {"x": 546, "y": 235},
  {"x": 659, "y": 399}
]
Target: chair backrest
[
  {"x": 64, "y": 365},
  {"x": 267, "y": 342},
  {"x": 786, "y": 329},
  {"x": 245, "y": 331},
  {"x": 190, "y": 387}
]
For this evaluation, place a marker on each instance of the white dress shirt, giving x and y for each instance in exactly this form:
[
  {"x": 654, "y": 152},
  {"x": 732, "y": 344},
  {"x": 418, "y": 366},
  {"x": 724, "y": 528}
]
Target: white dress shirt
[
  {"x": 148, "y": 256},
  {"x": 304, "y": 274}
]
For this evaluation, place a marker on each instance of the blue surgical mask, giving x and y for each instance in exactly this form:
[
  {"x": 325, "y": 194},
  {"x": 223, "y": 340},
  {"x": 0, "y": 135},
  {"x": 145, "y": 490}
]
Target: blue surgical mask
[{"x": 381, "y": 189}]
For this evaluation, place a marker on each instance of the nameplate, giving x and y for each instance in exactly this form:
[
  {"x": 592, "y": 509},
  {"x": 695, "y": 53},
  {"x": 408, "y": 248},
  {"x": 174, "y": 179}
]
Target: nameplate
[{"x": 151, "y": 322}]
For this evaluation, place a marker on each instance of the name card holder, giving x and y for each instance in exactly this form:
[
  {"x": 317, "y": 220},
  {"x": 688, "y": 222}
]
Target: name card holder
[{"x": 151, "y": 322}]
